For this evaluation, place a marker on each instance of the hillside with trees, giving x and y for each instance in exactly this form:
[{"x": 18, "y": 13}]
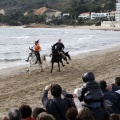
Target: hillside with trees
[
  {"x": 14, "y": 10},
  {"x": 12, "y": 6}
]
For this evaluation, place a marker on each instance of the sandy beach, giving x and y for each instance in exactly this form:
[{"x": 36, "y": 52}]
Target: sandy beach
[{"x": 18, "y": 87}]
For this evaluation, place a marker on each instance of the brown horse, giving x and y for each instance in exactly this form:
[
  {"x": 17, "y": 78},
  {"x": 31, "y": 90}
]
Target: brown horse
[{"x": 57, "y": 58}]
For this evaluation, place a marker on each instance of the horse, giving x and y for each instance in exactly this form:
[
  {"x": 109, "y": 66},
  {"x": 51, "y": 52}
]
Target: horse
[
  {"x": 57, "y": 58},
  {"x": 33, "y": 60},
  {"x": 66, "y": 54}
]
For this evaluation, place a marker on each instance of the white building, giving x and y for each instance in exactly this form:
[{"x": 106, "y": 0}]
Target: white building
[
  {"x": 84, "y": 15},
  {"x": 117, "y": 16},
  {"x": 98, "y": 15}
]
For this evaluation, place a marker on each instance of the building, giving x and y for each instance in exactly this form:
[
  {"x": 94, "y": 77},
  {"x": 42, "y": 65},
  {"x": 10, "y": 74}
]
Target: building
[
  {"x": 117, "y": 16},
  {"x": 50, "y": 13},
  {"x": 84, "y": 15},
  {"x": 98, "y": 15}
]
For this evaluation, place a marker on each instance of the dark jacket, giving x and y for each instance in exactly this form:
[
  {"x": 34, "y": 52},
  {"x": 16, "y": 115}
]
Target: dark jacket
[
  {"x": 115, "y": 87},
  {"x": 53, "y": 106},
  {"x": 113, "y": 99},
  {"x": 91, "y": 92},
  {"x": 100, "y": 113},
  {"x": 60, "y": 46}
]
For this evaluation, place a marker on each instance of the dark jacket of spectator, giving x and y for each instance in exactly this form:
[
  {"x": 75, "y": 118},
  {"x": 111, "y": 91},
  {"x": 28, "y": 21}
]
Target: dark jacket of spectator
[
  {"x": 109, "y": 96},
  {"x": 57, "y": 106},
  {"x": 100, "y": 113},
  {"x": 115, "y": 87}
]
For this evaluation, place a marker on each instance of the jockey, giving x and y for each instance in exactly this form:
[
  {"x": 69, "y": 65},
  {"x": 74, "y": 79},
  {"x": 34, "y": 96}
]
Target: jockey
[
  {"x": 36, "y": 50},
  {"x": 59, "y": 46}
]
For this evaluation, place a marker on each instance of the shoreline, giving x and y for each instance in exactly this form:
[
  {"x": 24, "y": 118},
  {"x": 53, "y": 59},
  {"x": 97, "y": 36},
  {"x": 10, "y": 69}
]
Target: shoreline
[
  {"x": 15, "y": 70},
  {"x": 93, "y": 27}
]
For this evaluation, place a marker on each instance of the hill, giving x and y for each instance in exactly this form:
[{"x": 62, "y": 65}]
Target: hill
[{"x": 12, "y": 6}]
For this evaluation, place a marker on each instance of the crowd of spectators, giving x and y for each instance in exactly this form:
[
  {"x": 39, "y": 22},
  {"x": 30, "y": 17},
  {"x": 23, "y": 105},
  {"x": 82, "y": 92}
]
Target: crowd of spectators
[{"x": 93, "y": 101}]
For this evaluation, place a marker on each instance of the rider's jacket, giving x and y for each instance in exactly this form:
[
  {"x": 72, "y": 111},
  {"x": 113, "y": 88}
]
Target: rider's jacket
[
  {"x": 37, "y": 48},
  {"x": 59, "y": 46}
]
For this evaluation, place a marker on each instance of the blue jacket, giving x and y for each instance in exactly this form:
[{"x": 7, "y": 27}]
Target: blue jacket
[
  {"x": 113, "y": 99},
  {"x": 52, "y": 105}
]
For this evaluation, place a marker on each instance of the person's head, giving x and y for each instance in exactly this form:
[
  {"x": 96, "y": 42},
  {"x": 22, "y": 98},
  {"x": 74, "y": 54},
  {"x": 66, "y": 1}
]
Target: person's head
[
  {"x": 88, "y": 76},
  {"x": 45, "y": 116},
  {"x": 114, "y": 117},
  {"x": 26, "y": 111},
  {"x": 103, "y": 84},
  {"x": 71, "y": 113},
  {"x": 117, "y": 81},
  {"x": 85, "y": 114},
  {"x": 37, "y": 111},
  {"x": 59, "y": 40},
  {"x": 56, "y": 90},
  {"x": 36, "y": 42},
  {"x": 14, "y": 114}
]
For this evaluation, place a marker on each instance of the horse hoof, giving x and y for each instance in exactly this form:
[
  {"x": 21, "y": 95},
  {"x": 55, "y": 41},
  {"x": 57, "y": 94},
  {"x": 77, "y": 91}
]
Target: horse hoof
[
  {"x": 63, "y": 65},
  {"x": 27, "y": 70},
  {"x": 67, "y": 62}
]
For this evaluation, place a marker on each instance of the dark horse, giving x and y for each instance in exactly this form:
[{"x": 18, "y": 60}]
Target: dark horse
[{"x": 57, "y": 58}]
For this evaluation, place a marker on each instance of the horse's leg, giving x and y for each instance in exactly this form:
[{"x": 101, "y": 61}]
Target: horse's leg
[
  {"x": 62, "y": 63},
  {"x": 29, "y": 67},
  {"x": 66, "y": 60},
  {"x": 52, "y": 66},
  {"x": 59, "y": 66}
]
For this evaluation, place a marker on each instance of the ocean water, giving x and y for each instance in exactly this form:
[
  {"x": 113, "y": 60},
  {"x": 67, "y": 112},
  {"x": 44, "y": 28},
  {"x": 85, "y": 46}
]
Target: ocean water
[{"x": 15, "y": 42}]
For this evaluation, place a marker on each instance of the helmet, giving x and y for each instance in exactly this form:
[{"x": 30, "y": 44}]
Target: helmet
[{"x": 89, "y": 76}]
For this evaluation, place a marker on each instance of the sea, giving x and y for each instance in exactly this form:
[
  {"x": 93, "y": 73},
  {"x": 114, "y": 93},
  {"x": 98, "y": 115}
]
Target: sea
[{"x": 15, "y": 42}]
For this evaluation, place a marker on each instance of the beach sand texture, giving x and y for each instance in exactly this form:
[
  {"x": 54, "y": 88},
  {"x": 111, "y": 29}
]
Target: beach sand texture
[{"x": 18, "y": 87}]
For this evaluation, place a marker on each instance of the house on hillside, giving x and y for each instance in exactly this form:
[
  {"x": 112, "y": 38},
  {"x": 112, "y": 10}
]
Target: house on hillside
[
  {"x": 84, "y": 15},
  {"x": 2, "y": 12},
  {"x": 98, "y": 15},
  {"x": 50, "y": 13}
]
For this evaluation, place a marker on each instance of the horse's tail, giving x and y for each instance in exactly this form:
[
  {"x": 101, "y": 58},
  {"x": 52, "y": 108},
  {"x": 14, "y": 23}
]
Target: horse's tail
[{"x": 44, "y": 58}]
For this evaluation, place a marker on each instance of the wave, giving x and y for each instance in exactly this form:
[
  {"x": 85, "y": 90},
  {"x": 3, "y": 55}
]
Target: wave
[
  {"x": 10, "y": 60},
  {"x": 7, "y": 53},
  {"x": 20, "y": 37}
]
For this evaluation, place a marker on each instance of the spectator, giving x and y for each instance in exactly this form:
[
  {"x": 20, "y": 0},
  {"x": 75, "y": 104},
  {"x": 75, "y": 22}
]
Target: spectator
[
  {"x": 45, "y": 116},
  {"x": 109, "y": 88},
  {"x": 99, "y": 113},
  {"x": 91, "y": 92},
  {"x": 116, "y": 86},
  {"x": 57, "y": 106},
  {"x": 26, "y": 112},
  {"x": 109, "y": 96},
  {"x": 71, "y": 113},
  {"x": 114, "y": 117},
  {"x": 37, "y": 111},
  {"x": 14, "y": 114},
  {"x": 85, "y": 114}
]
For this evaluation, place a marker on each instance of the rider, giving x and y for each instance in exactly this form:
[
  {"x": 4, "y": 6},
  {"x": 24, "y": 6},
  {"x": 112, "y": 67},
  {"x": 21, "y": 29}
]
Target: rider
[
  {"x": 37, "y": 51},
  {"x": 59, "y": 47}
]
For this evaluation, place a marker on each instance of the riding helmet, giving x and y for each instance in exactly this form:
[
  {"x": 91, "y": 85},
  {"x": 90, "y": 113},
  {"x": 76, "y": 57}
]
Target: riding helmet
[{"x": 89, "y": 76}]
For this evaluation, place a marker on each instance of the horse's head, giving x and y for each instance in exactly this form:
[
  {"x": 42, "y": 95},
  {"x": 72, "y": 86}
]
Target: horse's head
[
  {"x": 67, "y": 54},
  {"x": 31, "y": 51},
  {"x": 54, "y": 50}
]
